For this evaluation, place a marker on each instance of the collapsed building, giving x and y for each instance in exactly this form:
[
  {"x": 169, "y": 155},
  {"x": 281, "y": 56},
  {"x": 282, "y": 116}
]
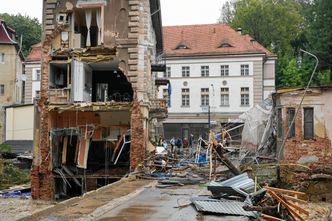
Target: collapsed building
[
  {"x": 97, "y": 105},
  {"x": 304, "y": 147}
]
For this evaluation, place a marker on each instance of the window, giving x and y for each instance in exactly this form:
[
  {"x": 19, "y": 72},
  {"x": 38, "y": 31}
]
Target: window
[
  {"x": 185, "y": 97},
  {"x": 36, "y": 74},
  {"x": 244, "y": 96},
  {"x": 279, "y": 123},
  {"x": 167, "y": 74},
  {"x": 204, "y": 71},
  {"x": 166, "y": 97},
  {"x": 224, "y": 70},
  {"x": 244, "y": 69},
  {"x": 224, "y": 96},
  {"x": 185, "y": 71},
  {"x": 2, "y": 89},
  {"x": 291, "y": 115},
  {"x": 2, "y": 57},
  {"x": 308, "y": 122},
  {"x": 204, "y": 96}
]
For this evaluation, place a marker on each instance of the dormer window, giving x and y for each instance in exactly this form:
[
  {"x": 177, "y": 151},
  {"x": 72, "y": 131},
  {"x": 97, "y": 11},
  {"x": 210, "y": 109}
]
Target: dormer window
[
  {"x": 182, "y": 45},
  {"x": 225, "y": 45}
]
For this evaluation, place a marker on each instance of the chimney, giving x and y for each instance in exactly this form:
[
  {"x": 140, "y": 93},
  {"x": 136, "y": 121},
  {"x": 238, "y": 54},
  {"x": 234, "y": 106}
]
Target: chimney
[{"x": 239, "y": 30}]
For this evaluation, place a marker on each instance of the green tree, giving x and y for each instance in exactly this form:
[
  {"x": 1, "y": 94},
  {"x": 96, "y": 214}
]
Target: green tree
[
  {"x": 29, "y": 28},
  {"x": 319, "y": 33},
  {"x": 227, "y": 12}
]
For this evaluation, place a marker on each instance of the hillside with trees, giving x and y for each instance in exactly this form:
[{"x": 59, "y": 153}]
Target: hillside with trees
[
  {"x": 285, "y": 27},
  {"x": 25, "y": 26}
]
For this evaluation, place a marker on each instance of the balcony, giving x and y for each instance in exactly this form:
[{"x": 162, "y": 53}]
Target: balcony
[
  {"x": 158, "y": 108},
  {"x": 59, "y": 96}
]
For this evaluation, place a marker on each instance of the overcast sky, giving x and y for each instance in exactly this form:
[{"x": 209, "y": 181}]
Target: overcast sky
[{"x": 174, "y": 12}]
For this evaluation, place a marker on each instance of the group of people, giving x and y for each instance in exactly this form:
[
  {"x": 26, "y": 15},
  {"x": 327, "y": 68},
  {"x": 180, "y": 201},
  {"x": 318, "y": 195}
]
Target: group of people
[{"x": 179, "y": 146}]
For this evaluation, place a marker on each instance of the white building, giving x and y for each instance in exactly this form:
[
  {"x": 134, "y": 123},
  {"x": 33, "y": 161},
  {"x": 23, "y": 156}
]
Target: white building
[
  {"x": 212, "y": 67},
  {"x": 33, "y": 73}
]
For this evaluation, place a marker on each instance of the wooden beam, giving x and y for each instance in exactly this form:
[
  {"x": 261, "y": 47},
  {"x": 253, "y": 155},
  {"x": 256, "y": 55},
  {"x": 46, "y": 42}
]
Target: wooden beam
[
  {"x": 271, "y": 218},
  {"x": 290, "y": 209},
  {"x": 291, "y": 198},
  {"x": 300, "y": 209},
  {"x": 278, "y": 190}
]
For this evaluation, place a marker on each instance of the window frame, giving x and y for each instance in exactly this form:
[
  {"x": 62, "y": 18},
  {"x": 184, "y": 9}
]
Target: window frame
[
  {"x": 290, "y": 115},
  {"x": 224, "y": 93},
  {"x": 2, "y": 58},
  {"x": 205, "y": 71},
  {"x": 35, "y": 74},
  {"x": 245, "y": 96},
  {"x": 205, "y": 97},
  {"x": 167, "y": 74},
  {"x": 185, "y": 70},
  {"x": 310, "y": 122},
  {"x": 224, "y": 70},
  {"x": 166, "y": 97},
  {"x": 244, "y": 69},
  {"x": 2, "y": 89},
  {"x": 279, "y": 123},
  {"x": 185, "y": 97}
]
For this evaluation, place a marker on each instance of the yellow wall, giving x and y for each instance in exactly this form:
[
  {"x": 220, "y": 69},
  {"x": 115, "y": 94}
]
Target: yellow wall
[
  {"x": 8, "y": 73},
  {"x": 19, "y": 123}
]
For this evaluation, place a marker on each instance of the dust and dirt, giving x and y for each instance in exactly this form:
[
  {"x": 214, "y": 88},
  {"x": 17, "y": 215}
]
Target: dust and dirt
[{"x": 16, "y": 208}]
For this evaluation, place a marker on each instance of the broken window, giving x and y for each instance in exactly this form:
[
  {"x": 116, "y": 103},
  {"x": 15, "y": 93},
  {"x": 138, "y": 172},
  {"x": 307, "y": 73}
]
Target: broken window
[
  {"x": 111, "y": 86},
  {"x": 88, "y": 29},
  {"x": 59, "y": 75},
  {"x": 279, "y": 123},
  {"x": 308, "y": 123},
  {"x": 291, "y": 115},
  {"x": 204, "y": 96}
]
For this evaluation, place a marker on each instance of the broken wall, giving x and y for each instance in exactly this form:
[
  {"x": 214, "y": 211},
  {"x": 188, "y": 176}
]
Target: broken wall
[
  {"x": 127, "y": 38},
  {"x": 303, "y": 158}
]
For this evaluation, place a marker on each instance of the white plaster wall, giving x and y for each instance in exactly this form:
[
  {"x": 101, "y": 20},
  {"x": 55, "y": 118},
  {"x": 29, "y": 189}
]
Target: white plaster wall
[
  {"x": 19, "y": 123},
  {"x": 214, "y": 82}
]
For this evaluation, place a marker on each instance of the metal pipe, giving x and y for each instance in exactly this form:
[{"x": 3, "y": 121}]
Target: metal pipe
[{"x": 298, "y": 109}]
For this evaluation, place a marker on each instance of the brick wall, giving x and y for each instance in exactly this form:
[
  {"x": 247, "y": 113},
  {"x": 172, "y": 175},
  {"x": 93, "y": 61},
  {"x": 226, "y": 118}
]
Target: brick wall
[{"x": 137, "y": 152}]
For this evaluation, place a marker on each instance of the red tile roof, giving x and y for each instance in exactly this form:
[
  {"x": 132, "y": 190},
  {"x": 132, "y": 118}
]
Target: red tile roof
[
  {"x": 35, "y": 53},
  {"x": 6, "y": 34},
  {"x": 207, "y": 40}
]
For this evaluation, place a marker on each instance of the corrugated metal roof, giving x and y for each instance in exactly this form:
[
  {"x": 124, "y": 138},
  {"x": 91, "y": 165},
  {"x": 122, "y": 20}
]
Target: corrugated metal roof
[
  {"x": 226, "y": 207},
  {"x": 241, "y": 181}
]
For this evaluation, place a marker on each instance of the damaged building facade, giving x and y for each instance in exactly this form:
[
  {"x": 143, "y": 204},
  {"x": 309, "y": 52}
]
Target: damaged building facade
[
  {"x": 98, "y": 100},
  {"x": 307, "y": 152}
]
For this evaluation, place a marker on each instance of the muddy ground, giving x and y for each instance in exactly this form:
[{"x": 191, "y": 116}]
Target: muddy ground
[{"x": 128, "y": 199}]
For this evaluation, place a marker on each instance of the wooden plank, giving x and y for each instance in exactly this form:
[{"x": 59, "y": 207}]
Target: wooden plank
[
  {"x": 271, "y": 218},
  {"x": 300, "y": 209},
  {"x": 64, "y": 150},
  {"x": 295, "y": 199},
  {"x": 290, "y": 209},
  {"x": 278, "y": 190}
]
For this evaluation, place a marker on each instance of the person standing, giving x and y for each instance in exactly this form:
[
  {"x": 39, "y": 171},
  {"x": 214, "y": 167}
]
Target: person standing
[{"x": 172, "y": 142}]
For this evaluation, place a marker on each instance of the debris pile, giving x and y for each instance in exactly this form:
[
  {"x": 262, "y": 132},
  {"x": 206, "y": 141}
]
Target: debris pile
[{"x": 237, "y": 196}]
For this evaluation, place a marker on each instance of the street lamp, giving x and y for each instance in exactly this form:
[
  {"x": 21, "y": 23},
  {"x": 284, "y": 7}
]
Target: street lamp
[{"x": 209, "y": 111}]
